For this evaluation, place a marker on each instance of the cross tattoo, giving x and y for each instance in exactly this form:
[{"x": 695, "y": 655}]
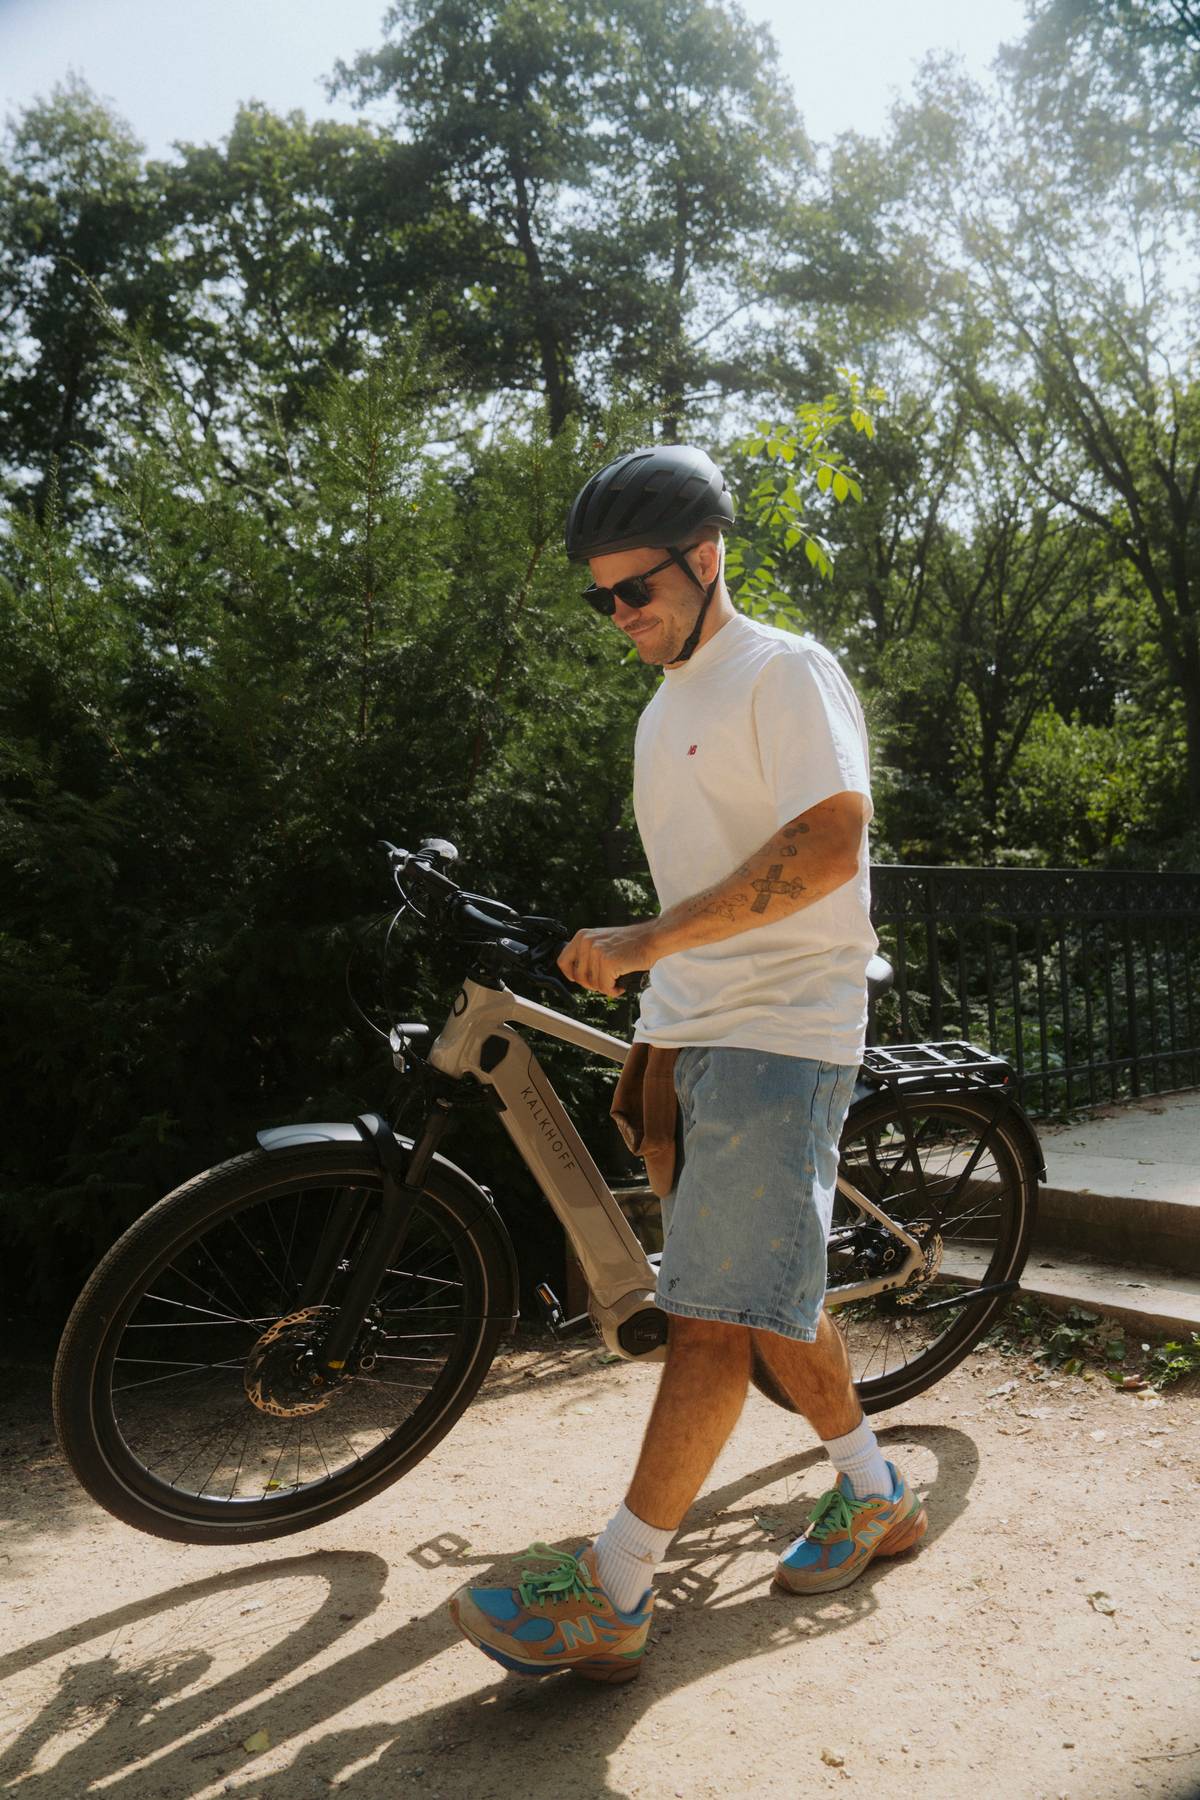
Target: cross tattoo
[{"x": 773, "y": 885}]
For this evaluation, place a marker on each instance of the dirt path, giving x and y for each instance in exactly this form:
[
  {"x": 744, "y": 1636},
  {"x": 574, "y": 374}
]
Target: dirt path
[{"x": 980, "y": 1667}]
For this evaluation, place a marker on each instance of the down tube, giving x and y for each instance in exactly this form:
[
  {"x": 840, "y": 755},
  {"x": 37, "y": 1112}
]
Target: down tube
[{"x": 612, "y": 1260}]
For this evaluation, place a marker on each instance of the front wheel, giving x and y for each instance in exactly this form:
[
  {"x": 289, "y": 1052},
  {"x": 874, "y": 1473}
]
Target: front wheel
[{"x": 184, "y": 1394}]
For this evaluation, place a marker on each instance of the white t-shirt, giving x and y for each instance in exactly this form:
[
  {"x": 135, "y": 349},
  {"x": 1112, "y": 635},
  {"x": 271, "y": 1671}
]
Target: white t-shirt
[{"x": 759, "y": 726}]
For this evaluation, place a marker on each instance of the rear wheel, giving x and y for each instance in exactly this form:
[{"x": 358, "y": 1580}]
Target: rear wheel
[
  {"x": 971, "y": 1207},
  {"x": 184, "y": 1390}
]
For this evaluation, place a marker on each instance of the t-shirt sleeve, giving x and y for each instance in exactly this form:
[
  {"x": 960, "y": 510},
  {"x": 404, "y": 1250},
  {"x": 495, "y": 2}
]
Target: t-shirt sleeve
[{"x": 812, "y": 740}]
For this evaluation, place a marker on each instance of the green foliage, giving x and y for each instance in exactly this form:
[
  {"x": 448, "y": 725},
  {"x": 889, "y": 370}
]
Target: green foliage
[
  {"x": 1079, "y": 1341},
  {"x": 1175, "y": 1359},
  {"x": 213, "y": 710}
]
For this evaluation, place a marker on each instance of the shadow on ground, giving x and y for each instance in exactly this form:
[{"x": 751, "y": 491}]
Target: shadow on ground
[{"x": 129, "y": 1726}]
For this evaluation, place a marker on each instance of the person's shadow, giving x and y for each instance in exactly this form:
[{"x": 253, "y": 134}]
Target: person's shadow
[{"x": 714, "y": 1609}]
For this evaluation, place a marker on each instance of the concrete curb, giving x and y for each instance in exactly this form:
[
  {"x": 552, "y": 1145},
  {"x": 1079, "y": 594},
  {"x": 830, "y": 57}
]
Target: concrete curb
[{"x": 1120, "y": 1227}]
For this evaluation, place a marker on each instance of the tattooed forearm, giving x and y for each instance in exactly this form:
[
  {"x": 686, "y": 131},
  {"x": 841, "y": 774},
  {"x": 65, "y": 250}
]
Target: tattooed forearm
[
  {"x": 757, "y": 892},
  {"x": 770, "y": 884},
  {"x": 728, "y": 907}
]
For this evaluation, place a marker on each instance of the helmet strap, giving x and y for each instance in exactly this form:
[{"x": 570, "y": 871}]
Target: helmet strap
[{"x": 693, "y": 636}]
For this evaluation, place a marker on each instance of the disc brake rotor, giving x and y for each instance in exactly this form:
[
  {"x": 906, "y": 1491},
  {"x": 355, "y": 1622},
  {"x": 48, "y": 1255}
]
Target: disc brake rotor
[{"x": 278, "y": 1377}]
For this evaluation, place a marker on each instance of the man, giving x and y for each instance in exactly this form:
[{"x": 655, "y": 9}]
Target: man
[{"x": 752, "y": 796}]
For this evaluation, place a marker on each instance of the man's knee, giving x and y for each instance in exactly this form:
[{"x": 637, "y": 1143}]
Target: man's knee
[
  {"x": 687, "y": 1335},
  {"x": 826, "y": 1351}
]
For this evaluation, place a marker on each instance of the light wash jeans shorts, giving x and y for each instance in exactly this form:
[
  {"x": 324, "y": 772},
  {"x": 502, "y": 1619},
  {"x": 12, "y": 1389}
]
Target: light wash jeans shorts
[{"x": 746, "y": 1223}]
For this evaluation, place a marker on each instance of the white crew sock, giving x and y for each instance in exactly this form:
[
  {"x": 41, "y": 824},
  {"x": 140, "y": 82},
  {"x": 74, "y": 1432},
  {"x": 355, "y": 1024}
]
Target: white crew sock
[
  {"x": 859, "y": 1458},
  {"x": 628, "y": 1551}
]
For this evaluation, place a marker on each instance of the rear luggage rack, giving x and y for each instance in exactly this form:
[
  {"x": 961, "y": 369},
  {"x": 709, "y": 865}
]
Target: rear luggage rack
[{"x": 946, "y": 1065}]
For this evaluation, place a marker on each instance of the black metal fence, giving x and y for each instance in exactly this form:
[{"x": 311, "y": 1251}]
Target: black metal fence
[{"x": 1088, "y": 981}]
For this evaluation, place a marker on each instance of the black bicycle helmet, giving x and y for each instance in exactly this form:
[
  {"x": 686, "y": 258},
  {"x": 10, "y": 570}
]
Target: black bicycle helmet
[{"x": 652, "y": 499}]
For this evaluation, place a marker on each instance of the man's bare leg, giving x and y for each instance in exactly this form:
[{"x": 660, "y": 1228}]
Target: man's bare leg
[
  {"x": 815, "y": 1377},
  {"x": 700, "y": 1395}
]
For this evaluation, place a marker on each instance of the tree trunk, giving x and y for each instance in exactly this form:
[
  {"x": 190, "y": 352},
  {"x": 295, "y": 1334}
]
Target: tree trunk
[
  {"x": 673, "y": 370},
  {"x": 557, "y": 381}
]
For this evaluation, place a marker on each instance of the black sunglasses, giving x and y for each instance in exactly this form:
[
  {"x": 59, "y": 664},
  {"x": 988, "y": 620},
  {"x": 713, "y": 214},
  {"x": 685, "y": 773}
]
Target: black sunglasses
[{"x": 633, "y": 590}]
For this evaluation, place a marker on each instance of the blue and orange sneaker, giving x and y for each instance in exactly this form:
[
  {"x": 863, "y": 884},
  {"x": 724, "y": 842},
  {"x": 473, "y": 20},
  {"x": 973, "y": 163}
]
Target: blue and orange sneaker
[
  {"x": 558, "y": 1618},
  {"x": 844, "y": 1534}
]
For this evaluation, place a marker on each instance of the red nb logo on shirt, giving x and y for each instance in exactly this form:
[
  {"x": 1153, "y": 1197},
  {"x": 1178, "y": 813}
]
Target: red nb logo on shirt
[{"x": 693, "y": 749}]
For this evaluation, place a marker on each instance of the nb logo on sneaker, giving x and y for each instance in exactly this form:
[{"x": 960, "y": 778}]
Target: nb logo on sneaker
[
  {"x": 693, "y": 749},
  {"x": 576, "y": 1631}
]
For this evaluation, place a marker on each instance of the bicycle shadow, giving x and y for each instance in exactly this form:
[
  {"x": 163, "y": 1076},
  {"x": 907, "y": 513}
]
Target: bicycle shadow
[
  {"x": 715, "y": 1609},
  {"x": 126, "y": 1698}
]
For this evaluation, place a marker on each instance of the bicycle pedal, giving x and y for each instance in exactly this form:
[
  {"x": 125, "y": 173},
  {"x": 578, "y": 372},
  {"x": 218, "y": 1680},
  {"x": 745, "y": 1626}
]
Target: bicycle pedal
[{"x": 552, "y": 1312}]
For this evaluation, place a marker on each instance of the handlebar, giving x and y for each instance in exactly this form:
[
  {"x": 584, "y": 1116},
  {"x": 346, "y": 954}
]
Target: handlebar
[{"x": 506, "y": 940}]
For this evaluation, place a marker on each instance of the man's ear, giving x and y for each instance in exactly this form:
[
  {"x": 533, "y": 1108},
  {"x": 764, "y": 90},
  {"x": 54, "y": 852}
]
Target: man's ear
[{"x": 707, "y": 560}]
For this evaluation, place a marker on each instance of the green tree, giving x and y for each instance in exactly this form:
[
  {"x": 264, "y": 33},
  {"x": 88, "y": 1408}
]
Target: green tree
[
  {"x": 701, "y": 212},
  {"x": 296, "y": 249},
  {"x": 1062, "y": 317},
  {"x": 625, "y": 178},
  {"x": 75, "y": 213},
  {"x": 495, "y": 101},
  {"x": 1114, "y": 76}
]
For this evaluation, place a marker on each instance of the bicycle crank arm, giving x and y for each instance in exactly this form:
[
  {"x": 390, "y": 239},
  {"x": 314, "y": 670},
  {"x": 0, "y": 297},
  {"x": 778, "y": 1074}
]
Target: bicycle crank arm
[{"x": 996, "y": 1287}]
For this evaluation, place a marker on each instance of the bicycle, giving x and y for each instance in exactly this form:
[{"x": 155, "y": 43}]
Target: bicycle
[{"x": 287, "y": 1334}]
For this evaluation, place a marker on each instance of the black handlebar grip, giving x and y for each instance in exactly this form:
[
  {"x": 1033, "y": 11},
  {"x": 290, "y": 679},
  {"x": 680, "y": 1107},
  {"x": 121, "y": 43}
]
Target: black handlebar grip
[{"x": 633, "y": 982}]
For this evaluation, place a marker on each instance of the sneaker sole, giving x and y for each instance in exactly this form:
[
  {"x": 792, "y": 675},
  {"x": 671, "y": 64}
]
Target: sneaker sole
[
  {"x": 596, "y": 1669},
  {"x": 903, "y": 1536}
]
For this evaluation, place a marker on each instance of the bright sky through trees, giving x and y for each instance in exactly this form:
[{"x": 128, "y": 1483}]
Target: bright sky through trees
[{"x": 180, "y": 71}]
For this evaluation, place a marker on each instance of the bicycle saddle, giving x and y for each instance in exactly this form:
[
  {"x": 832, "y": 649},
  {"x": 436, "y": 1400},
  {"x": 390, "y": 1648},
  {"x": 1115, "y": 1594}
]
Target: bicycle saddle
[{"x": 880, "y": 976}]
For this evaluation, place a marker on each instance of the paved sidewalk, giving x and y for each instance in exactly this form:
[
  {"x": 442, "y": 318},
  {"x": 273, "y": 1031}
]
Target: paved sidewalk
[{"x": 1143, "y": 1150}]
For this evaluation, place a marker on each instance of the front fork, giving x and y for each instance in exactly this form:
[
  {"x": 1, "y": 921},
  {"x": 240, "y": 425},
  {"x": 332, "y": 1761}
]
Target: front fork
[{"x": 403, "y": 1181}]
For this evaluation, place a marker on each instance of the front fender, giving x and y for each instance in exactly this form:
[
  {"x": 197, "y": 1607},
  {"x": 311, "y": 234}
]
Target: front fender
[{"x": 286, "y": 1137}]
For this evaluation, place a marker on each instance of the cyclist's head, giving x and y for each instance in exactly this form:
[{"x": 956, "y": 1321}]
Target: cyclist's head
[{"x": 669, "y": 498}]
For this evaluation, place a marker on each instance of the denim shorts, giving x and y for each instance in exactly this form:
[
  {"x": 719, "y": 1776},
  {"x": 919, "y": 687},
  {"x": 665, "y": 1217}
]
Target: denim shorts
[{"x": 746, "y": 1223}]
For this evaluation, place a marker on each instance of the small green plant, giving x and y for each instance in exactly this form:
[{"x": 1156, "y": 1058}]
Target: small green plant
[
  {"x": 1081, "y": 1342},
  {"x": 1171, "y": 1361}
]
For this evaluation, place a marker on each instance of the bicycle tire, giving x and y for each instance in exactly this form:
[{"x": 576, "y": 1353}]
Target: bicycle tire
[
  {"x": 470, "y": 1296},
  {"x": 1016, "y": 1183}
]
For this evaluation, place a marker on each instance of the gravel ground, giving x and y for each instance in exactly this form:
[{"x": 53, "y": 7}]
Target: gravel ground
[{"x": 1043, "y": 1641}]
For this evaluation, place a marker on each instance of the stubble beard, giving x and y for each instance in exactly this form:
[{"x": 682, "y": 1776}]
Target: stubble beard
[{"x": 672, "y": 638}]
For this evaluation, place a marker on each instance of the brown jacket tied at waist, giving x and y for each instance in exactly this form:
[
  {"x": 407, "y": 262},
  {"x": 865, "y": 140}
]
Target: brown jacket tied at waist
[{"x": 645, "y": 1111}]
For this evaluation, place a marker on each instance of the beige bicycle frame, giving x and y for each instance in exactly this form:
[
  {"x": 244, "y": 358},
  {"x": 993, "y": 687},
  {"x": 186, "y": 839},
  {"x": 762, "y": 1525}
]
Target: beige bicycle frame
[{"x": 616, "y": 1268}]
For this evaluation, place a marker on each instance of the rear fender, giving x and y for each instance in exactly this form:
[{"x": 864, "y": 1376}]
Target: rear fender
[{"x": 1003, "y": 1099}]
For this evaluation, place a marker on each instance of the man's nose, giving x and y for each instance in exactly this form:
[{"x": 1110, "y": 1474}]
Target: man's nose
[{"x": 624, "y": 614}]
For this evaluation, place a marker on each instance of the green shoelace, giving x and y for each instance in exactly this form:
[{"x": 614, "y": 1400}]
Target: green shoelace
[
  {"x": 567, "y": 1580},
  {"x": 834, "y": 1513}
]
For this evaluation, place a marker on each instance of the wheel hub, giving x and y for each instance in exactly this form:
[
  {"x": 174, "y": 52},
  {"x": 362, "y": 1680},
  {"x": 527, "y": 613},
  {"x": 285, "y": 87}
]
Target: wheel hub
[{"x": 281, "y": 1375}]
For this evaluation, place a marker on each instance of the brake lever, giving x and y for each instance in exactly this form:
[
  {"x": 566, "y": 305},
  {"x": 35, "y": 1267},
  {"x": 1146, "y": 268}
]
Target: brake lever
[
  {"x": 532, "y": 964},
  {"x": 629, "y": 984}
]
